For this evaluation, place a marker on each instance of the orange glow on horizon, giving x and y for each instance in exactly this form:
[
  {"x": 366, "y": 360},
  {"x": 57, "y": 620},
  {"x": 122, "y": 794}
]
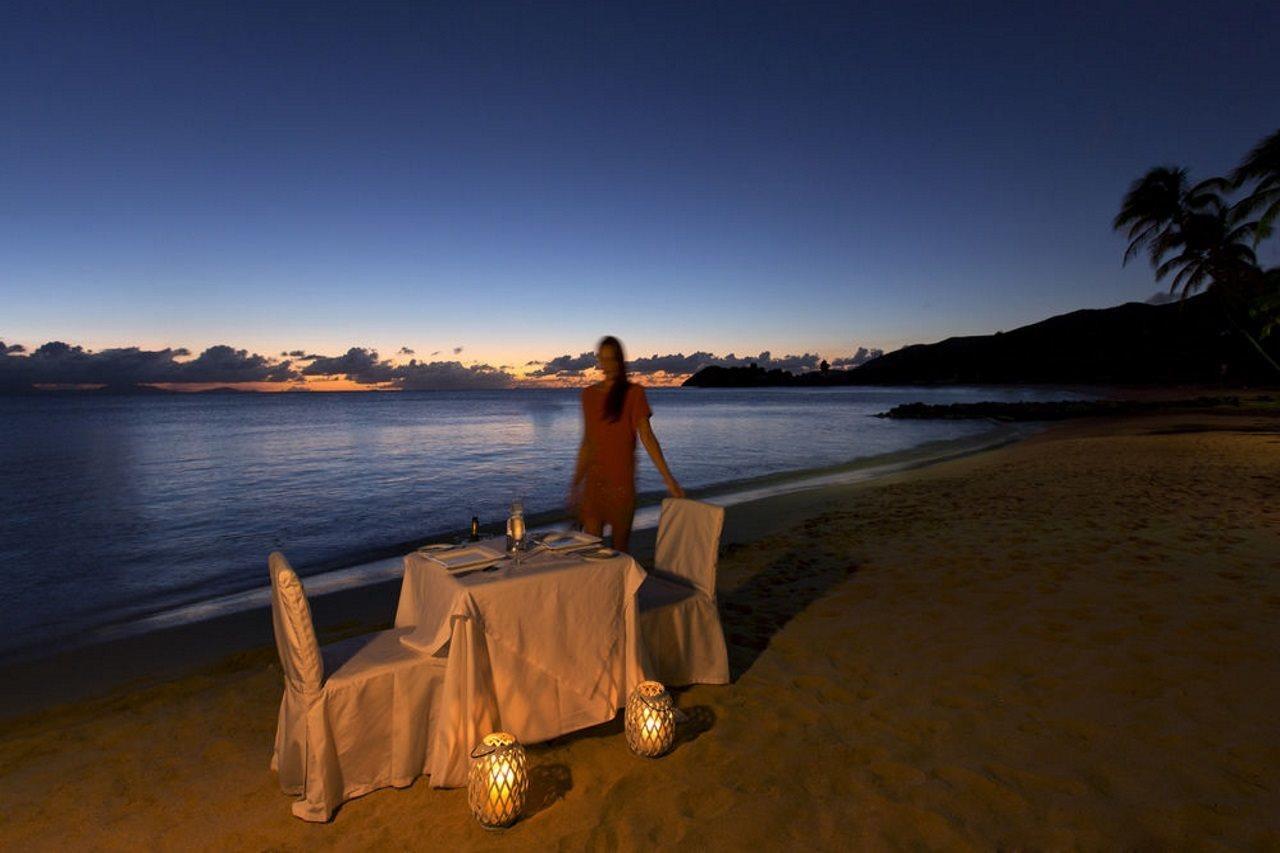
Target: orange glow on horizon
[{"x": 345, "y": 385}]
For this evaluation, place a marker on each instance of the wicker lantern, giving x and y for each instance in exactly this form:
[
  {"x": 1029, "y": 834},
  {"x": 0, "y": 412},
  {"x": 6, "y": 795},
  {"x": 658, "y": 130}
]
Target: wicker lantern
[
  {"x": 651, "y": 720},
  {"x": 498, "y": 781}
]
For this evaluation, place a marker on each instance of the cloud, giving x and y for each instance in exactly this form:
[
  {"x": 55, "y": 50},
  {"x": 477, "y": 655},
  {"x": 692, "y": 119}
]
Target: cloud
[
  {"x": 366, "y": 368},
  {"x": 565, "y": 365},
  {"x": 862, "y": 356},
  {"x": 677, "y": 364},
  {"x": 436, "y": 353},
  {"x": 358, "y": 364},
  {"x": 59, "y": 363},
  {"x": 221, "y": 363},
  {"x": 457, "y": 350},
  {"x": 1161, "y": 297},
  {"x": 450, "y": 376}
]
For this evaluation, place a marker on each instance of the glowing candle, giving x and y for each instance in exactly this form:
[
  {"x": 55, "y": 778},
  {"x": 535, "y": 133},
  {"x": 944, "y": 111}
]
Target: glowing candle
[
  {"x": 498, "y": 781},
  {"x": 650, "y": 720}
]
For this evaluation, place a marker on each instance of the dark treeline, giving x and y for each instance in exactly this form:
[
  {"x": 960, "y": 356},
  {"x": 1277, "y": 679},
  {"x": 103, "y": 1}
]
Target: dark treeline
[
  {"x": 1055, "y": 410},
  {"x": 1202, "y": 237},
  {"x": 1178, "y": 343}
]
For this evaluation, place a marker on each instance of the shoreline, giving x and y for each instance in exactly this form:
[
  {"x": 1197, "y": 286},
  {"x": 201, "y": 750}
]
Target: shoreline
[
  {"x": 228, "y": 581},
  {"x": 1061, "y": 643},
  {"x": 383, "y": 564},
  {"x": 362, "y": 598}
]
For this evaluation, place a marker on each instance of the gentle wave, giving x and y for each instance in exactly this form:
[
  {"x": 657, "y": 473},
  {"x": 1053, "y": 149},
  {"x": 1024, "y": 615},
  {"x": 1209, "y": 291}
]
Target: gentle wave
[
  {"x": 115, "y": 510},
  {"x": 728, "y": 495}
]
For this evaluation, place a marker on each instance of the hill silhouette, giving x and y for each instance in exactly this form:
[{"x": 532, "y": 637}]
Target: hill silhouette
[{"x": 1177, "y": 343}]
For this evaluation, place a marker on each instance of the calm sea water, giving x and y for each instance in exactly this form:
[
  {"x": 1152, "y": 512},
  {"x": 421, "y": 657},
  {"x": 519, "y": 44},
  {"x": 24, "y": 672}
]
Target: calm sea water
[{"x": 111, "y": 508}]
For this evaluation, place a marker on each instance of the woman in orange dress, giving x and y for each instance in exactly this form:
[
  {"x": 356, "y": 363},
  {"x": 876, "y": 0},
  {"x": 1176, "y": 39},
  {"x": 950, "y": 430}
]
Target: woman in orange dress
[{"x": 614, "y": 412}]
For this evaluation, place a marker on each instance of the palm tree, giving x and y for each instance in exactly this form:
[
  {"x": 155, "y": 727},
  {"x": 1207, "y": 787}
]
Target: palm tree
[
  {"x": 1261, "y": 166},
  {"x": 1153, "y": 211},
  {"x": 1188, "y": 229},
  {"x": 1194, "y": 234}
]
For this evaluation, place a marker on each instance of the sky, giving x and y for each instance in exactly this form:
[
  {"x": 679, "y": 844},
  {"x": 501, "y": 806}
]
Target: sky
[{"x": 493, "y": 184}]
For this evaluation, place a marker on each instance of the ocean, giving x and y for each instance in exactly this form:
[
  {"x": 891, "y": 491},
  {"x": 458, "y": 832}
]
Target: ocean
[{"x": 115, "y": 509}]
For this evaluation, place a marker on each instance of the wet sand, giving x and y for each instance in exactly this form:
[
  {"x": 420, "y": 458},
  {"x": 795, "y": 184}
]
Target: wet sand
[{"x": 1068, "y": 642}]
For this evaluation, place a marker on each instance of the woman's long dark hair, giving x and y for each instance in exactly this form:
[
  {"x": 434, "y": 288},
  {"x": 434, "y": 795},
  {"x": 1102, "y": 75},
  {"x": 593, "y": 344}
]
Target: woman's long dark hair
[{"x": 618, "y": 390}]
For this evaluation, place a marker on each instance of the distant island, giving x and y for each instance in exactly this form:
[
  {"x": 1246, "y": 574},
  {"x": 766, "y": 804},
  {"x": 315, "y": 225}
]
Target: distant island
[
  {"x": 1177, "y": 343},
  {"x": 1058, "y": 410}
]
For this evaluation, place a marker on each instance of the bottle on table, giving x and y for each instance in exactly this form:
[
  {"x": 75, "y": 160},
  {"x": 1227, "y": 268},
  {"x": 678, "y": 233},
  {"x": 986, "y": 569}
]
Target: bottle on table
[{"x": 515, "y": 527}]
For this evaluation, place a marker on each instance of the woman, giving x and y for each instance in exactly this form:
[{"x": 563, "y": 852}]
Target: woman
[{"x": 604, "y": 481}]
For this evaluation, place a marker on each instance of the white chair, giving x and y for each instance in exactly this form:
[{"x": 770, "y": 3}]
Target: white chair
[
  {"x": 679, "y": 619},
  {"x": 363, "y": 726}
]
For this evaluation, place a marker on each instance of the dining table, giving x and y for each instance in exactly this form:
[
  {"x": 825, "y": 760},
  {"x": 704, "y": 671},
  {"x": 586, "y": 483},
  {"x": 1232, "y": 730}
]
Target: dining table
[{"x": 537, "y": 646}]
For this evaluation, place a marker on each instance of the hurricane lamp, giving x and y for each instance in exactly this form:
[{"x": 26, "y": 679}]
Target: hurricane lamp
[
  {"x": 498, "y": 781},
  {"x": 650, "y": 720}
]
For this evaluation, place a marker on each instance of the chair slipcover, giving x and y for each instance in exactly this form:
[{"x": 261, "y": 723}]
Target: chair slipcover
[
  {"x": 364, "y": 726},
  {"x": 679, "y": 619}
]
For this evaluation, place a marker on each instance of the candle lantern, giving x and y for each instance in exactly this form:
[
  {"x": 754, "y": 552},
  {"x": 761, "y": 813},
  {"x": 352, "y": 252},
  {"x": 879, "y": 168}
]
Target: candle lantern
[
  {"x": 650, "y": 720},
  {"x": 498, "y": 782}
]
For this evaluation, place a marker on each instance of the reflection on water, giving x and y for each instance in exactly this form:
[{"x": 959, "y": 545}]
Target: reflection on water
[{"x": 111, "y": 507}]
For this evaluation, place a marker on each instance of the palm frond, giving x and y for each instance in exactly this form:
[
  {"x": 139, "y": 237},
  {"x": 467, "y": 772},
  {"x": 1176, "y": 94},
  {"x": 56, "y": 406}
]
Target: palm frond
[
  {"x": 1138, "y": 239},
  {"x": 1262, "y": 164},
  {"x": 1157, "y": 196},
  {"x": 1180, "y": 278},
  {"x": 1164, "y": 243},
  {"x": 1214, "y": 186},
  {"x": 1196, "y": 281},
  {"x": 1145, "y": 226},
  {"x": 1169, "y": 266},
  {"x": 1208, "y": 195},
  {"x": 1255, "y": 200},
  {"x": 1240, "y": 232},
  {"x": 1269, "y": 216},
  {"x": 1186, "y": 259},
  {"x": 1244, "y": 256}
]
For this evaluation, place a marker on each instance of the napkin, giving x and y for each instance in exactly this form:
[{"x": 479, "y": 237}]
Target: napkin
[
  {"x": 563, "y": 540},
  {"x": 465, "y": 557}
]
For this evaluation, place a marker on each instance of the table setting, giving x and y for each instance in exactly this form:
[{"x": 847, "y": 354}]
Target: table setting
[
  {"x": 463, "y": 558},
  {"x": 497, "y": 642},
  {"x": 539, "y": 631}
]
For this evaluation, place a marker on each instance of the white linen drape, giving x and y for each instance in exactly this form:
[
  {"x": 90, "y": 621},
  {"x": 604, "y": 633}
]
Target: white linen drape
[
  {"x": 365, "y": 725},
  {"x": 538, "y": 650},
  {"x": 679, "y": 615}
]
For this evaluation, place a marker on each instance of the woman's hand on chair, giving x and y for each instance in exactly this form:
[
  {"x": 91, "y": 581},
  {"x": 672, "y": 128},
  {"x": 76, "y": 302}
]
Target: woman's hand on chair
[{"x": 673, "y": 488}]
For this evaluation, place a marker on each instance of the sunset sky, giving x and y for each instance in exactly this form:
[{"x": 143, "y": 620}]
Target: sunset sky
[{"x": 515, "y": 180}]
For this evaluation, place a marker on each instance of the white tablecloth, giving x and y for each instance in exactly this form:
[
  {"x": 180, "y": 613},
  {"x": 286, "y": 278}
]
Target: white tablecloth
[{"x": 538, "y": 650}]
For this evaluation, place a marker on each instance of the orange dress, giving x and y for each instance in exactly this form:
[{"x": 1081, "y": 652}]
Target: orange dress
[{"x": 609, "y": 491}]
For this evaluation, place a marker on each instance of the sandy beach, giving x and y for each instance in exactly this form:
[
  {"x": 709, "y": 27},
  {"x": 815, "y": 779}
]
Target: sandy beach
[{"x": 1068, "y": 642}]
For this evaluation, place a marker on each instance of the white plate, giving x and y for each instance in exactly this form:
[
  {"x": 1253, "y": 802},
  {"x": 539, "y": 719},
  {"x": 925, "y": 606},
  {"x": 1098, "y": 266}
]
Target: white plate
[
  {"x": 567, "y": 540},
  {"x": 438, "y": 546},
  {"x": 465, "y": 557}
]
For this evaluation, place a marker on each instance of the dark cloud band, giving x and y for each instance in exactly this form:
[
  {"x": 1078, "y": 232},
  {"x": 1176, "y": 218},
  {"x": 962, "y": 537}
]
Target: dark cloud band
[
  {"x": 365, "y": 367},
  {"x": 58, "y": 363},
  {"x": 677, "y": 364},
  {"x": 862, "y": 356}
]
